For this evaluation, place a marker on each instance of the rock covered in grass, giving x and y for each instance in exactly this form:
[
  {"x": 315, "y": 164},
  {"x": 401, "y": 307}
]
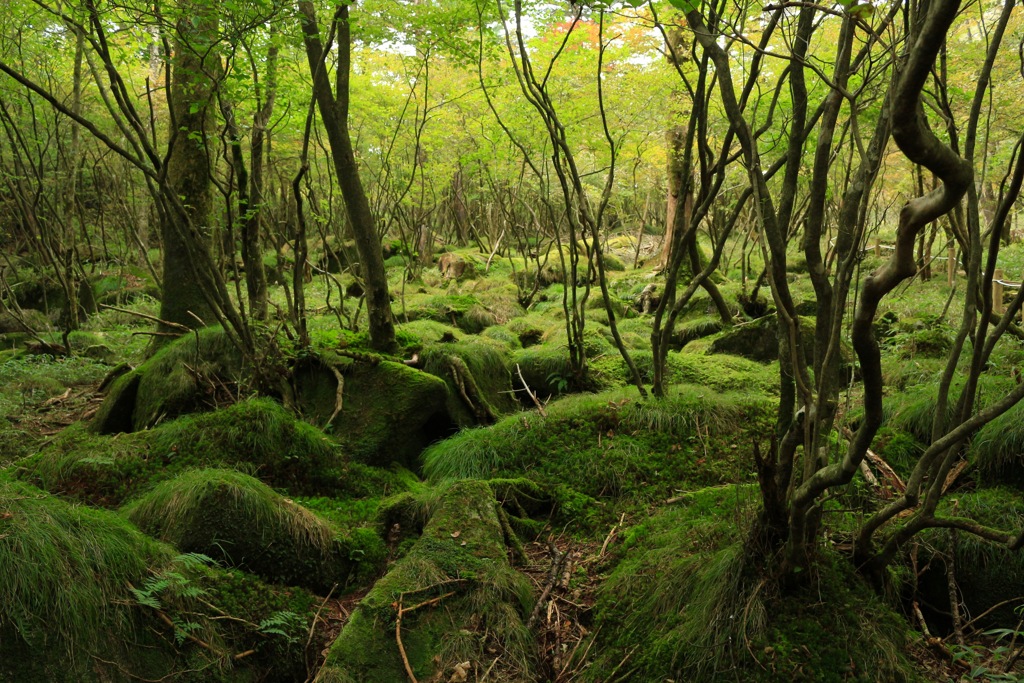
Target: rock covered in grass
[
  {"x": 242, "y": 522},
  {"x": 461, "y": 601},
  {"x": 613, "y": 445}
]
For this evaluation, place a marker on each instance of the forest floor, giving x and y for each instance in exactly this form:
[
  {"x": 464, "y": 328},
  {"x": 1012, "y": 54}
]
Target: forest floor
[{"x": 595, "y": 537}]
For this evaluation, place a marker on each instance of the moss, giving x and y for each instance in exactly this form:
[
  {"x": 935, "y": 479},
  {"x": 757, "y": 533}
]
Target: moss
[
  {"x": 389, "y": 412},
  {"x": 259, "y": 435},
  {"x": 723, "y": 372},
  {"x": 182, "y": 377},
  {"x": 413, "y": 336},
  {"x": 488, "y": 375},
  {"x": 613, "y": 446},
  {"x": 687, "y": 604},
  {"x": 463, "y": 602},
  {"x": 241, "y": 522}
]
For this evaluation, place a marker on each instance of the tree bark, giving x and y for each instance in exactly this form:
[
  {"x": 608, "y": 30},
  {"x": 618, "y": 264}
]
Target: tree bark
[{"x": 188, "y": 167}]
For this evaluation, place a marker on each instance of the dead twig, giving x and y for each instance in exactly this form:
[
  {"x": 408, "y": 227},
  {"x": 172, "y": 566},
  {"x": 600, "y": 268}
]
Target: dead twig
[
  {"x": 557, "y": 561},
  {"x": 533, "y": 396},
  {"x": 608, "y": 539},
  {"x": 401, "y": 647},
  {"x": 337, "y": 396}
]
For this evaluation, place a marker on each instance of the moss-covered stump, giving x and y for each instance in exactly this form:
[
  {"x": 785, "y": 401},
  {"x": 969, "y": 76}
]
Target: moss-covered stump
[
  {"x": 258, "y": 435},
  {"x": 192, "y": 374},
  {"x": 685, "y": 603},
  {"x": 476, "y": 371},
  {"x": 458, "y": 598},
  {"x": 614, "y": 446},
  {"x": 241, "y": 522},
  {"x": 387, "y": 413}
]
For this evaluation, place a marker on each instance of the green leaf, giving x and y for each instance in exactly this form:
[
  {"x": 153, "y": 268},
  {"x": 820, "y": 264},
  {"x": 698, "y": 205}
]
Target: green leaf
[{"x": 685, "y": 6}]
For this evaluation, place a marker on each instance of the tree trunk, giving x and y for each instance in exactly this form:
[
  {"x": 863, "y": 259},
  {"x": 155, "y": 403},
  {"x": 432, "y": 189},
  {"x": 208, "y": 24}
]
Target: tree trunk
[
  {"x": 188, "y": 169},
  {"x": 333, "y": 107}
]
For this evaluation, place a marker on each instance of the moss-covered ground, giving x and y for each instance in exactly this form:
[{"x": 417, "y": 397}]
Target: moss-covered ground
[{"x": 473, "y": 507}]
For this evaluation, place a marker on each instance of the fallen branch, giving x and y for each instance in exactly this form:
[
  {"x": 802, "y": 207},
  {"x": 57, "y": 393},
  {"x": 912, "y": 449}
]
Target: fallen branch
[
  {"x": 557, "y": 560},
  {"x": 533, "y": 396},
  {"x": 401, "y": 647}
]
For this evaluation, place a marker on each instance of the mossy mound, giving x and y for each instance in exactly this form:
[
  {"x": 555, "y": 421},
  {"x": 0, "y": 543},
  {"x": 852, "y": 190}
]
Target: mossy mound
[
  {"x": 241, "y": 522},
  {"x": 259, "y": 435},
  {"x": 388, "y": 412},
  {"x": 987, "y": 574},
  {"x": 84, "y": 596},
  {"x": 684, "y": 604},
  {"x": 477, "y": 374},
  {"x": 757, "y": 340},
  {"x": 461, "y": 601},
  {"x": 189, "y": 375},
  {"x": 464, "y": 311},
  {"x": 722, "y": 372},
  {"x": 998, "y": 449},
  {"x": 612, "y": 445}
]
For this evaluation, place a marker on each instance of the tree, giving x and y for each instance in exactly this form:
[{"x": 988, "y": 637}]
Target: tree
[{"x": 333, "y": 105}]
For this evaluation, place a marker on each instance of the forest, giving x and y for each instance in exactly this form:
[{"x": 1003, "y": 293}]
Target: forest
[{"x": 502, "y": 340}]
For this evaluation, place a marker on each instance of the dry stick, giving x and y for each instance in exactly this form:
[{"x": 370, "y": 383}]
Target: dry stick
[
  {"x": 177, "y": 326},
  {"x": 312, "y": 628},
  {"x": 920, "y": 619},
  {"x": 608, "y": 539},
  {"x": 497, "y": 244},
  {"x": 553, "y": 573},
  {"x": 337, "y": 396},
  {"x": 533, "y": 397},
  {"x": 993, "y": 608},
  {"x": 487, "y": 673},
  {"x": 398, "y": 627},
  {"x": 401, "y": 648}
]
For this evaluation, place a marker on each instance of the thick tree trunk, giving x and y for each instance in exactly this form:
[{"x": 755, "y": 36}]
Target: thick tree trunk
[{"x": 188, "y": 171}]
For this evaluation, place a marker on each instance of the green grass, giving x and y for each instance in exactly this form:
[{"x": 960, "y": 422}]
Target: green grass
[{"x": 241, "y": 522}]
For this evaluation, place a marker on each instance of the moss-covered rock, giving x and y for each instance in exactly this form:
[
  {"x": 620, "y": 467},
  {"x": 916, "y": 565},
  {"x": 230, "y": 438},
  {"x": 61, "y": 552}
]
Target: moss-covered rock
[
  {"x": 613, "y": 446},
  {"x": 478, "y": 378},
  {"x": 259, "y": 435},
  {"x": 188, "y": 375},
  {"x": 388, "y": 412},
  {"x": 241, "y": 522},
  {"x": 459, "y": 597}
]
